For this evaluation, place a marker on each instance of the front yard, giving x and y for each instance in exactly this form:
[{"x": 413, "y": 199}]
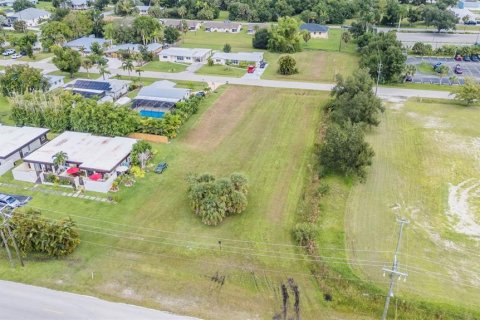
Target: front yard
[
  {"x": 222, "y": 70},
  {"x": 161, "y": 66}
]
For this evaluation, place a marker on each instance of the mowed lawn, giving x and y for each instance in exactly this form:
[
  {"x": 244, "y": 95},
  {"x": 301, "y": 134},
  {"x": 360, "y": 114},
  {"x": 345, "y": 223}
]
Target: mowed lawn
[
  {"x": 162, "y": 66},
  {"x": 150, "y": 249},
  {"x": 426, "y": 166},
  {"x": 222, "y": 70}
]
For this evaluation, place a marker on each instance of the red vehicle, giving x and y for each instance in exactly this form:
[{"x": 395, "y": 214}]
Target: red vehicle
[
  {"x": 251, "y": 69},
  {"x": 458, "y": 57}
]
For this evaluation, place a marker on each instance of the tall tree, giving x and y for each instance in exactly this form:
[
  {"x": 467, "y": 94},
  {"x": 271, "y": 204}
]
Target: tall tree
[
  {"x": 19, "y": 5},
  {"x": 285, "y": 36},
  {"x": 148, "y": 28},
  {"x": 67, "y": 60},
  {"x": 468, "y": 93},
  {"x": 54, "y": 33},
  {"x": 20, "y": 79},
  {"x": 439, "y": 18}
]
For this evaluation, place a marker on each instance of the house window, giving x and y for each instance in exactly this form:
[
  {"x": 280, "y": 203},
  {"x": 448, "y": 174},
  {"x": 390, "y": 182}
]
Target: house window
[
  {"x": 165, "y": 57},
  {"x": 234, "y": 61},
  {"x": 180, "y": 58},
  {"x": 218, "y": 60},
  {"x": 189, "y": 58}
]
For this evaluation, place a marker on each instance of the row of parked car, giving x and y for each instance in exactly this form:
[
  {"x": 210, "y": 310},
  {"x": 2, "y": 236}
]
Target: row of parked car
[
  {"x": 458, "y": 69},
  {"x": 470, "y": 58},
  {"x": 13, "y": 53}
]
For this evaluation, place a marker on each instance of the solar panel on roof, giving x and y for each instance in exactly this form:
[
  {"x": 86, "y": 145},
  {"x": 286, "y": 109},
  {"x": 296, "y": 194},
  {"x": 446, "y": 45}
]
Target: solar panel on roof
[
  {"x": 92, "y": 85},
  {"x": 152, "y": 104}
]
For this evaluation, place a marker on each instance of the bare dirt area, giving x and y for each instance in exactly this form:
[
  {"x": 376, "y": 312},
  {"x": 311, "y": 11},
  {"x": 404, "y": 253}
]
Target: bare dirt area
[{"x": 221, "y": 118}]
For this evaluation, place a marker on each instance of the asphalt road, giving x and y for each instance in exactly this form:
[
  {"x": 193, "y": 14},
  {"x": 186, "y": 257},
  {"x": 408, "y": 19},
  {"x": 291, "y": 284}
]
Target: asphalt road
[{"x": 24, "y": 302}]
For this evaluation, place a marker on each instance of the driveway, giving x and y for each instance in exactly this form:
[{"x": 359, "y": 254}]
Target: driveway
[{"x": 20, "y": 301}]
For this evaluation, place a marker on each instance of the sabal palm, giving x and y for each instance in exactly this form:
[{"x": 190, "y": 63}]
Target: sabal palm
[
  {"x": 128, "y": 66},
  {"x": 60, "y": 158}
]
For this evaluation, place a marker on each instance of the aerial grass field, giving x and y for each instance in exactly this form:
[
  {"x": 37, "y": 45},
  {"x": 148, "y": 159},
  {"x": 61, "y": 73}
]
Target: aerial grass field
[
  {"x": 162, "y": 66},
  {"x": 150, "y": 249},
  {"x": 222, "y": 70},
  {"x": 426, "y": 169}
]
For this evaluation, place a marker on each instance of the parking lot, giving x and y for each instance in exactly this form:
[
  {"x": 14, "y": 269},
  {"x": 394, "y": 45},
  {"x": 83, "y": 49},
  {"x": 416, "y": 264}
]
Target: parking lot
[{"x": 470, "y": 69}]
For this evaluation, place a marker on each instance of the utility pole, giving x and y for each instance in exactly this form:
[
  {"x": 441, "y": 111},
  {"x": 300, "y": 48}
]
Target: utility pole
[
  {"x": 393, "y": 273},
  {"x": 379, "y": 71}
]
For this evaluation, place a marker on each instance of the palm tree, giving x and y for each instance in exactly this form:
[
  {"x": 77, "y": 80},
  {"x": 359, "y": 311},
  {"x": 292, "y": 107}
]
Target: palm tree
[
  {"x": 182, "y": 11},
  {"x": 139, "y": 71},
  {"x": 410, "y": 70},
  {"x": 59, "y": 159},
  {"x": 346, "y": 37},
  {"x": 87, "y": 64},
  {"x": 443, "y": 70},
  {"x": 128, "y": 66},
  {"x": 103, "y": 70}
]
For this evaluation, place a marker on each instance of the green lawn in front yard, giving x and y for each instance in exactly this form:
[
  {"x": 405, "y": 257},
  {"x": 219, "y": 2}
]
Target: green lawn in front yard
[
  {"x": 162, "y": 66},
  {"x": 321, "y": 66},
  {"x": 5, "y": 111},
  {"x": 77, "y": 75},
  {"x": 37, "y": 56},
  {"x": 151, "y": 249},
  {"x": 222, "y": 70},
  {"x": 330, "y": 44},
  {"x": 216, "y": 40}
]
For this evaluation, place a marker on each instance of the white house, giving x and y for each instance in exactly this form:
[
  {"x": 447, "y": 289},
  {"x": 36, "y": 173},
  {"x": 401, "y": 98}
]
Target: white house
[
  {"x": 55, "y": 81},
  {"x": 185, "y": 55},
  {"x": 76, "y": 4},
  {"x": 17, "y": 142},
  {"x": 32, "y": 16},
  {"x": 193, "y": 25},
  {"x": 9, "y": 3},
  {"x": 143, "y": 10},
  {"x": 113, "y": 51},
  {"x": 158, "y": 98},
  {"x": 93, "y": 162},
  {"x": 236, "y": 58},
  {"x": 316, "y": 30},
  {"x": 225, "y": 26},
  {"x": 112, "y": 88}
]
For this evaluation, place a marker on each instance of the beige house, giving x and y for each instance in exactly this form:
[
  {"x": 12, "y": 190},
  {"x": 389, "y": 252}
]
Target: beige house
[{"x": 225, "y": 26}]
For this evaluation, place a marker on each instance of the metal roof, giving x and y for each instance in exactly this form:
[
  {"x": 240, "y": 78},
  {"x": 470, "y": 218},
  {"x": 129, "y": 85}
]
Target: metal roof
[
  {"x": 186, "y": 52},
  {"x": 162, "y": 91},
  {"x": 240, "y": 56},
  {"x": 85, "y": 42},
  {"x": 134, "y": 47},
  {"x": 13, "y": 139},
  {"x": 30, "y": 14},
  {"x": 95, "y": 153},
  {"x": 314, "y": 27}
]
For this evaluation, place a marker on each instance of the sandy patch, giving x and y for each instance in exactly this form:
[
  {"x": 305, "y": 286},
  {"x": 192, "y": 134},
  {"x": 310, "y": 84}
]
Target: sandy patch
[
  {"x": 428, "y": 122},
  {"x": 461, "y": 212},
  {"x": 221, "y": 118},
  {"x": 394, "y": 103}
]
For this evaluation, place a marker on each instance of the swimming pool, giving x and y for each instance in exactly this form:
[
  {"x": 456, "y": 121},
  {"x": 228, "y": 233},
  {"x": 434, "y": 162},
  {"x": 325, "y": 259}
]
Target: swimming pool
[{"x": 151, "y": 114}]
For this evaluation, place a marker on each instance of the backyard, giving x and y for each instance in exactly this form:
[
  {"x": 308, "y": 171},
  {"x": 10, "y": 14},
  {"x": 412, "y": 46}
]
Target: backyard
[{"x": 151, "y": 249}]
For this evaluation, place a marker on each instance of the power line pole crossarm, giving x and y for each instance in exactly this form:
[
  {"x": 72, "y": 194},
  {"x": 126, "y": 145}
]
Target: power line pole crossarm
[{"x": 393, "y": 272}]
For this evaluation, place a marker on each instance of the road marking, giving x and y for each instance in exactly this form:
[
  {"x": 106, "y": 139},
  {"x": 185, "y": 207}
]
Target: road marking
[{"x": 53, "y": 311}]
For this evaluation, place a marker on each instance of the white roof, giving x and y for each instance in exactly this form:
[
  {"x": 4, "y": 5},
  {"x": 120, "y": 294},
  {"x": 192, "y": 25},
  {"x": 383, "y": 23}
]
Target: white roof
[
  {"x": 186, "y": 52},
  {"x": 162, "y": 91},
  {"x": 31, "y": 14},
  {"x": 91, "y": 152},
  {"x": 13, "y": 139},
  {"x": 240, "y": 56}
]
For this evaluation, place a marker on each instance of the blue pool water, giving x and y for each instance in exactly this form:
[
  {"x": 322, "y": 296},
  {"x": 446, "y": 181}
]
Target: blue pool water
[{"x": 152, "y": 114}]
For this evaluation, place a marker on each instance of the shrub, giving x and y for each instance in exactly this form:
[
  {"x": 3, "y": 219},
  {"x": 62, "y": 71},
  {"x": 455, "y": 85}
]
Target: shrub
[
  {"x": 210, "y": 62},
  {"x": 305, "y": 234},
  {"x": 137, "y": 172},
  {"x": 323, "y": 189},
  {"x": 287, "y": 65},
  {"x": 227, "y": 48}
]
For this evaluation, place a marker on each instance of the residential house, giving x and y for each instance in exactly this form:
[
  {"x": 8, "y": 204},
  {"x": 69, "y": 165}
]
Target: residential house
[
  {"x": 55, "y": 81},
  {"x": 18, "y": 142},
  {"x": 193, "y": 25},
  {"x": 84, "y": 44},
  {"x": 92, "y": 162},
  {"x": 225, "y": 26},
  {"x": 468, "y": 4},
  {"x": 76, "y": 4},
  {"x": 9, "y": 3},
  {"x": 253, "y": 27},
  {"x": 143, "y": 10},
  {"x": 237, "y": 58},
  {"x": 154, "y": 48},
  {"x": 31, "y": 16},
  {"x": 316, "y": 30},
  {"x": 158, "y": 98},
  {"x": 108, "y": 90},
  {"x": 185, "y": 55}
]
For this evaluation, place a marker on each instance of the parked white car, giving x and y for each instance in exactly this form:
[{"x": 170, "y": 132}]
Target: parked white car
[
  {"x": 9, "y": 52},
  {"x": 17, "y": 55},
  {"x": 9, "y": 201}
]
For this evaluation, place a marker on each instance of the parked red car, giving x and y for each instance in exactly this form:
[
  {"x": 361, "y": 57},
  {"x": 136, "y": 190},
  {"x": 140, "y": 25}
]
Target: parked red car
[
  {"x": 458, "y": 57},
  {"x": 251, "y": 69}
]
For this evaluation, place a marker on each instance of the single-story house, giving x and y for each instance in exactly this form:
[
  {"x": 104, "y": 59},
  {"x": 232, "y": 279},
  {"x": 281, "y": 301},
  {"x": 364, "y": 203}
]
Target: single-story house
[
  {"x": 143, "y": 10},
  {"x": 158, "y": 98},
  {"x": 85, "y": 43},
  {"x": 55, "y": 81},
  {"x": 185, "y": 55},
  {"x": 236, "y": 58},
  {"x": 225, "y": 26},
  {"x": 76, "y": 4},
  {"x": 155, "y": 48},
  {"x": 93, "y": 162},
  {"x": 316, "y": 30},
  {"x": 112, "y": 88},
  {"x": 18, "y": 142},
  {"x": 9, "y": 3},
  {"x": 193, "y": 25},
  {"x": 32, "y": 16},
  {"x": 468, "y": 4},
  {"x": 253, "y": 27}
]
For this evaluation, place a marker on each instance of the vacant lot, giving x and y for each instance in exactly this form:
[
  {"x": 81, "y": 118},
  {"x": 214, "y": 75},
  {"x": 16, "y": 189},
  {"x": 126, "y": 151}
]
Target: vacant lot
[
  {"x": 221, "y": 70},
  {"x": 426, "y": 169},
  {"x": 150, "y": 249},
  {"x": 162, "y": 66}
]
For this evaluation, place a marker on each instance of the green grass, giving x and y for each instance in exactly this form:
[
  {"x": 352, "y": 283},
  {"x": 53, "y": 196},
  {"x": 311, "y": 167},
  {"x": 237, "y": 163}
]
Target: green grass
[
  {"x": 420, "y": 149},
  {"x": 221, "y": 70},
  {"x": 426, "y": 68},
  {"x": 161, "y": 66},
  {"x": 269, "y": 136},
  {"x": 45, "y": 5},
  {"x": 37, "y": 56},
  {"x": 77, "y": 75},
  {"x": 420, "y": 86},
  {"x": 321, "y": 66},
  {"x": 222, "y": 16},
  {"x": 5, "y": 111},
  {"x": 216, "y": 40},
  {"x": 331, "y": 44}
]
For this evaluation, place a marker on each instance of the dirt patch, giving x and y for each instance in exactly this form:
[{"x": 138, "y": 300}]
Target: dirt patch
[
  {"x": 460, "y": 212},
  {"x": 221, "y": 118}
]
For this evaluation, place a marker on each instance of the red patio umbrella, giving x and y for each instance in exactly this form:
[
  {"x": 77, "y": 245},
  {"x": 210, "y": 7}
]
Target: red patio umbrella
[
  {"x": 73, "y": 170},
  {"x": 96, "y": 176}
]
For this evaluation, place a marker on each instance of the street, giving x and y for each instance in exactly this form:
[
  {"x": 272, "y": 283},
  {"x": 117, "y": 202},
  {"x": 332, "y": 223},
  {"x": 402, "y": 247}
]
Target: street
[{"x": 20, "y": 301}]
